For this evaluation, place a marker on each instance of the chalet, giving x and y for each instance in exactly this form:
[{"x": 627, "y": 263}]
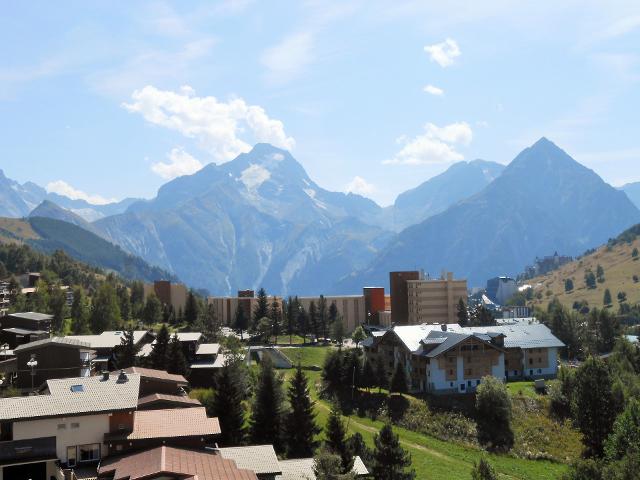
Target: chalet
[
  {"x": 20, "y": 328},
  {"x": 55, "y": 357},
  {"x": 453, "y": 359},
  {"x": 106, "y": 344}
]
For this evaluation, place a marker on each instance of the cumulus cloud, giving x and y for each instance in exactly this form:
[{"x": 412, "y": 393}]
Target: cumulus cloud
[
  {"x": 360, "y": 186},
  {"x": 288, "y": 59},
  {"x": 444, "y": 53},
  {"x": 63, "y": 188},
  {"x": 433, "y": 90},
  {"x": 436, "y": 145},
  {"x": 224, "y": 129},
  {"x": 180, "y": 163}
]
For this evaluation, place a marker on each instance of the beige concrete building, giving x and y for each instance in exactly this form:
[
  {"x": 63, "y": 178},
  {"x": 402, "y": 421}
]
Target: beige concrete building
[
  {"x": 435, "y": 301},
  {"x": 174, "y": 294},
  {"x": 350, "y": 307}
]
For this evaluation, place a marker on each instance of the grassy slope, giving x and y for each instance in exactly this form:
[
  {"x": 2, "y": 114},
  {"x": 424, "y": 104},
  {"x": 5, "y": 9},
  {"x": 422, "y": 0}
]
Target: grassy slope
[
  {"x": 619, "y": 269},
  {"x": 433, "y": 458},
  {"x": 16, "y": 230}
]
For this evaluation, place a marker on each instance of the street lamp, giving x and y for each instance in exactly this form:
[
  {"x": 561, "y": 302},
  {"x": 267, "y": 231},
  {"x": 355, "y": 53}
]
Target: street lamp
[{"x": 32, "y": 363}]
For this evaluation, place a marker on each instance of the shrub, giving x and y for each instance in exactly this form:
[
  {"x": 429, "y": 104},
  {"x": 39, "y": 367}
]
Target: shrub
[{"x": 493, "y": 406}]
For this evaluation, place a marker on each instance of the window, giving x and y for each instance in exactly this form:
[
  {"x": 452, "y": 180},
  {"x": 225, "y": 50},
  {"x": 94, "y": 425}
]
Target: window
[
  {"x": 77, "y": 388},
  {"x": 530, "y": 372},
  {"x": 463, "y": 386},
  {"x": 468, "y": 383},
  {"x": 477, "y": 382},
  {"x": 89, "y": 453},
  {"x": 6, "y": 431},
  {"x": 71, "y": 456},
  {"x": 75, "y": 425},
  {"x": 539, "y": 360},
  {"x": 450, "y": 372},
  {"x": 515, "y": 373},
  {"x": 531, "y": 361},
  {"x": 451, "y": 384},
  {"x": 62, "y": 426},
  {"x": 539, "y": 371}
]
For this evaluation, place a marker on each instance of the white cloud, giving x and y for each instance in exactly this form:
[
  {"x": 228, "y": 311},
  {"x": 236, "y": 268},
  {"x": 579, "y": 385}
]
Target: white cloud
[
  {"x": 217, "y": 126},
  {"x": 180, "y": 163},
  {"x": 288, "y": 59},
  {"x": 63, "y": 188},
  {"x": 433, "y": 90},
  {"x": 436, "y": 145},
  {"x": 254, "y": 176},
  {"x": 444, "y": 53},
  {"x": 360, "y": 186}
]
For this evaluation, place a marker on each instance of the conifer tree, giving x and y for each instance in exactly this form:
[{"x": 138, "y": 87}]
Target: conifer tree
[
  {"x": 390, "y": 460},
  {"x": 323, "y": 317},
  {"x": 483, "y": 471},
  {"x": 125, "y": 303},
  {"x": 399, "y": 380},
  {"x": 313, "y": 319},
  {"x": 290, "y": 311},
  {"x": 382, "y": 380},
  {"x": 275, "y": 315},
  {"x": 80, "y": 313},
  {"x": 267, "y": 413},
  {"x": 303, "y": 323},
  {"x": 227, "y": 405},
  {"x": 462, "y": 313},
  {"x": 607, "y": 297},
  {"x": 332, "y": 315},
  {"x": 176, "y": 362},
  {"x": 127, "y": 350},
  {"x": 191, "y": 309},
  {"x": 152, "y": 312},
  {"x": 493, "y": 406},
  {"x": 240, "y": 322},
  {"x": 57, "y": 307},
  {"x": 368, "y": 376},
  {"x": 300, "y": 424},
  {"x": 336, "y": 436},
  {"x": 338, "y": 330},
  {"x": 358, "y": 335},
  {"x": 160, "y": 349},
  {"x": 105, "y": 312},
  {"x": 262, "y": 308}
]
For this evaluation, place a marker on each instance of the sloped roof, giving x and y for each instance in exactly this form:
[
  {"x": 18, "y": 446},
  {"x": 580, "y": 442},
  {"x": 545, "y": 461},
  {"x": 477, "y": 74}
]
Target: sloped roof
[
  {"x": 175, "y": 462},
  {"x": 62, "y": 341},
  {"x": 521, "y": 335},
  {"x": 108, "y": 339},
  {"x": 208, "y": 349},
  {"x": 92, "y": 395},
  {"x": 160, "y": 375},
  {"x": 24, "y": 331},
  {"x": 35, "y": 316},
  {"x": 450, "y": 340},
  {"x": 261, "y": 459},
  {"x": 411, "y": 335},
  {"x": 178, "y": 400},
  {"x": 171, "y": 423},
  {"x": 186, "y": 336},
  {"x": 302, "y": 469}
]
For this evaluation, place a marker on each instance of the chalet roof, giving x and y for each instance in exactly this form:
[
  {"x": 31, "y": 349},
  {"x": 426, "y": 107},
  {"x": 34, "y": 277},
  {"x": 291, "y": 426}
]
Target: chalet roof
[
  {"x": 521, "y": 335},
  {"x": 445, "y": 341},
  {"x": 208, "y": 349},
  {"x": 178, "y": 400},
  {"x": 88, "y": 395},
  {"x": 174, "y": 462},
  {"x": 34, "y": 316},
  {"x": 60, "y": 341},
  {"x": 109, "y": 339},
  {"x": 160, "y": 375},
  {"x": 261, "y": 459},
  {"x": 172, "y": 423},
  {"x": 186, "y": 336},
  {"x": 302, "y": 469},
  {"x": 24, "y": 331}
]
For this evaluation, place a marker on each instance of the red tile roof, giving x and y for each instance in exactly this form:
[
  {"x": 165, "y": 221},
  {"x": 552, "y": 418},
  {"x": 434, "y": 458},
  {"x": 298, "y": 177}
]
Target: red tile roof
[
  {"x": 174, "y": 461},
  {"x": 173, "y": 422},
  {"x": 178, "y": 400}
]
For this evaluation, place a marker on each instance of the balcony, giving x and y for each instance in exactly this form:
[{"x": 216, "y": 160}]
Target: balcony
[{"x": 30, "y": 450}]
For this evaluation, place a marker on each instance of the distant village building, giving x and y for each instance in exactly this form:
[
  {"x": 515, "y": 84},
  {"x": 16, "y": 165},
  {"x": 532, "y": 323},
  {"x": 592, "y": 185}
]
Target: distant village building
[
  {"x": 173, "y": 294},
  {"x": 501, "y": 289},
  {"x": 544, "y": 265}
]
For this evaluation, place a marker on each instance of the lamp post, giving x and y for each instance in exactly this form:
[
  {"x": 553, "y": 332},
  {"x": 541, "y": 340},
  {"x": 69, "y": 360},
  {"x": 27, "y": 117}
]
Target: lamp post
[{"x": 32, "y": 363}]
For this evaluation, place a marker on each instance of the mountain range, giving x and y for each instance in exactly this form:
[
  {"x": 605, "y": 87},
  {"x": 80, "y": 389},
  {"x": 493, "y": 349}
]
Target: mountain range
[{"x": 259, "y": 220}]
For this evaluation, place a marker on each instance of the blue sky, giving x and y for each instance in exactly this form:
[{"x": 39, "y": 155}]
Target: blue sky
[{"x": 108, "y": 100}]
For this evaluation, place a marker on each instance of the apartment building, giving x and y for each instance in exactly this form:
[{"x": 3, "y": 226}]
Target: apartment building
[
  {"x": 350, "y": 307},
  {"x": 434, "y": 300},
  {"x": 174, "y": 294},
  {"x": 453, "y": 359}
]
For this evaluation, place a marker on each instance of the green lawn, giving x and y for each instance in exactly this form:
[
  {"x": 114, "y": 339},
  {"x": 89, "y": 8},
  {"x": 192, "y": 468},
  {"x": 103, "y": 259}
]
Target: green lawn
[
  {"x": 522, "y": 388},
  {"x": 432, "y": 458}
]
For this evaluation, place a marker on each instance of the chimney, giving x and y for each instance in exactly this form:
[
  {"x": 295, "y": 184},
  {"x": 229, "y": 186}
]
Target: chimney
[
  {"x": 122, "y": 377},
  {"x": 105, "y": 375}
]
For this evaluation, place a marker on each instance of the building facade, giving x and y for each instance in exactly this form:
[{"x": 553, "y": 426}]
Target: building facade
[
  {"x": 174, "y": 294},
  {"x": 434, "y": 301}
]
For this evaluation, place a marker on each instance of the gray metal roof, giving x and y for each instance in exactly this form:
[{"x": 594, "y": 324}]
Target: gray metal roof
[
  {"x": 450, "y": 340},
  {"x": 208, "y": 348},
  {"x": 97, "y": 396},
  {"x": 302, "y": 469},
  {"x": 24, "y": 331},
  {"x": 109, "y": 339},
  {"x": 61, "y": 341},
  {"x": 38, "y": 317},
  {"x": 261, "y": 459},
  {"x": 521, "y": 335}
]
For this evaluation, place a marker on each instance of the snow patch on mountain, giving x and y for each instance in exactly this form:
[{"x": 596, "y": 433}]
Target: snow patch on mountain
[{"x": 254, "y": 176}]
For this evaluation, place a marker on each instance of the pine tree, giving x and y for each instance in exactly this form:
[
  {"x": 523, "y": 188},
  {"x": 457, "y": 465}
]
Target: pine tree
[
  {"x": 607, "y": 298},
  {"x": 80, "y": 313},
  {"x": 323, "y": 317},
  {"x": 357, "y": 447},
  {"x": 176, "y": 362},
  {"x": 191, "y": 309},
  {"x": 105, "y": 312},
  {"x": 240, "y": 322},
  {"x": 399, "y": 380},
  {"x": 462, "y": 313},
  {"x": 333, "y": 316},
  {"x": 328, "y": 466},
  {"x": 313, "y": 319},
  {"x": 160, "y": 349},
  {"x": 593, "y": 405},
  {"x": 267, "y": 413},
  {"x": 57, "y": 307},
  {"x": 493, "y": 407},
  {"x": 291, "y": 311},
  {"x": 125, "y": 303},
  {"x": 336, "y": 436},
  {"x": 483, "y": 471},
  {"x": 390, "y": 460},
  {"x": 303, "y": 323},
  {"x": 332, "y": 371},
  {"x": 358, "y": 335},
  {"x": 300, "y": 424},
  {"x": 382, "y": 380},
  {"x": 152, "y": 313},
  {"x": 568, "y": 285},
  {"x": 261, "y": 309},
  {"x": 368, "y": 376},
  {"x": 275, "y": 315},
  {"x": 127, "y": 350},
  {"x": 338, "y": 330},
  {"x": 227, "y": 405}
]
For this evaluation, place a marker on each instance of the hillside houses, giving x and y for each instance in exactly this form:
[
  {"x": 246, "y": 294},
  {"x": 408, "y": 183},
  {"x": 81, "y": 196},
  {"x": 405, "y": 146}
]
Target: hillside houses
[{"x": 452, "y": 359}]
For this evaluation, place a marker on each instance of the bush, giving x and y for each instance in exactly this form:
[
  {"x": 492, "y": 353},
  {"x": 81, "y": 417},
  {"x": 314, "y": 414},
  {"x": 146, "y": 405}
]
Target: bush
[{"x": 493, "y": 406}]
